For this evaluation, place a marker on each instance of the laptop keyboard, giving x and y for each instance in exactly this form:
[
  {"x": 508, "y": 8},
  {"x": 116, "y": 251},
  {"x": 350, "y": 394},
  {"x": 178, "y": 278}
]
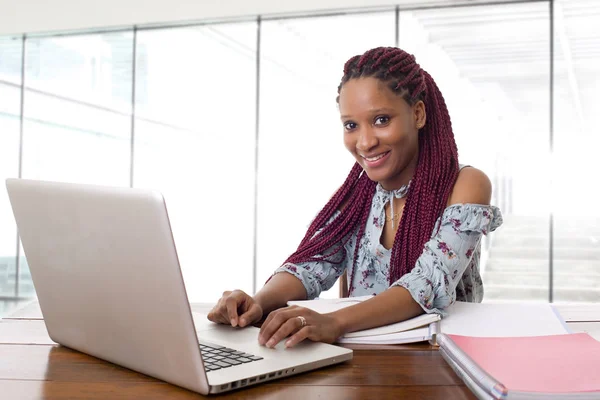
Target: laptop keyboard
[{"x": 217, "y": 357}]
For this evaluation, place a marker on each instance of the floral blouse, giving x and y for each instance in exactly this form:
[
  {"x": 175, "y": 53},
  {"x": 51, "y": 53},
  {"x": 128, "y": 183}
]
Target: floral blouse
[{"x": 446, "y": 271}]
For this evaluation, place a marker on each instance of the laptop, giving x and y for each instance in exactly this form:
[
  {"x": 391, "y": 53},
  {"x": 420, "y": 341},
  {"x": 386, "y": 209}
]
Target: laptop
[{"x": 105, "y": 269}]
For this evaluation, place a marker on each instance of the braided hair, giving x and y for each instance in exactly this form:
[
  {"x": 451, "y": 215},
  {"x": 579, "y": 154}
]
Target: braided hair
[{"x": 435, "y": 174}]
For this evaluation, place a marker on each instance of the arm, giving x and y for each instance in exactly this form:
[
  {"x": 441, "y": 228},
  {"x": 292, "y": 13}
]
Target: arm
[
  {"x": 472, "y": 186},
  {"x": 289, "y": 282},
  {"x": 432, "y": 278},
  {"x": 280, "y": 289},
  {"x": 301, "y": 281},
  {"x": 376, "y": 311}
]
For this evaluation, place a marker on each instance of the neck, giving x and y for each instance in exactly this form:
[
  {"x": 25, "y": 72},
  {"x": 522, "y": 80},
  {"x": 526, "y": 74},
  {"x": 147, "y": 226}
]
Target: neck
[{"x": 403, "y": 178}]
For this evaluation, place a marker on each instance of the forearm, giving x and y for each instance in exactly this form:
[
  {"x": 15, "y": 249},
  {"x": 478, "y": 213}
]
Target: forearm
[
  {"x": 280, "y": 289},
  {"x": 393, "y": 305}
]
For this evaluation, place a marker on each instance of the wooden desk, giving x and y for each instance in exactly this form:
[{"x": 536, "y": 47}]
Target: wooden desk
[{"x": 417, "y": 371}]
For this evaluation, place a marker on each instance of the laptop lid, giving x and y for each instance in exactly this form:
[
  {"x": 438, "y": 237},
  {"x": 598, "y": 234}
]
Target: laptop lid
[{"x": 107, "y": 277}]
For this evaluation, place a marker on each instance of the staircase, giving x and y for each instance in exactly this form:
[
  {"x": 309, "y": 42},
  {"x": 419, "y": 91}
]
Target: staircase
[{"x": 517, "y": 266}]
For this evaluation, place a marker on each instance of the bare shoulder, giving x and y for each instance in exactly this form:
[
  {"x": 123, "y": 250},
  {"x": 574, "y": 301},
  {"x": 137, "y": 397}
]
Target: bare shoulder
[{"x": 472, "y": 186}]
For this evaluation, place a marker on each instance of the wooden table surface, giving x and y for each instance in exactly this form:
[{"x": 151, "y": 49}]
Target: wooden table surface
[{"x": 34, "y": 368}]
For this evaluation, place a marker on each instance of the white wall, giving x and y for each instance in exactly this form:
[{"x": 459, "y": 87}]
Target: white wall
[{"x": 36, "y": 16}]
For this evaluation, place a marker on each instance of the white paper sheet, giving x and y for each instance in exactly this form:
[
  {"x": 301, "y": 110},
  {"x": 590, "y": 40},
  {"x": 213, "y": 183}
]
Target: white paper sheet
[{"x": 502, "y": 319}]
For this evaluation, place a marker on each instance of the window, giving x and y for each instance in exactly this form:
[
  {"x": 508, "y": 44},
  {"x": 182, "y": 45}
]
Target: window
[
  {"x": 576, "y": 228},
  {"x": 195, "y": 141},
  {"x": 194, "y": 131},
  {"x": 77, "y": 111},
  {"x": 492, "y": 64},
  {"x": 302, "y": 158},
  {"x": 10, "y": 115}
]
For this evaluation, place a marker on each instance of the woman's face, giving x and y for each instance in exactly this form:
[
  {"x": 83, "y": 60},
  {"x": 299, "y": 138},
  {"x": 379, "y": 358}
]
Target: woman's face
[{"x": 381, "y": 130}]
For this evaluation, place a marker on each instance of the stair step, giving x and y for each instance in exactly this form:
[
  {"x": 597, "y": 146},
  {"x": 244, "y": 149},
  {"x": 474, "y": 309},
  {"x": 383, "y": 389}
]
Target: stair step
[
  {"x": 540, "y": 293},
  {"x": 560, "y": 253},
  {"x": 527, "y": 278},
  {"x": 533, "y": 265},
  {"x": 543, "y": 241}
]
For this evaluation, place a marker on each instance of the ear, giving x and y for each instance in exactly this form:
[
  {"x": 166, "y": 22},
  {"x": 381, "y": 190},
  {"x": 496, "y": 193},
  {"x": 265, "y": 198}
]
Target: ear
[{"x": 419, "y": 114}]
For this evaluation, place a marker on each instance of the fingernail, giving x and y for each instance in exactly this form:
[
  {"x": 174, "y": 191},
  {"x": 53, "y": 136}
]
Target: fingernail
[
  {"x": 287, "y": 344},
  {"x": 233, "y": 322},
  {"x": 243, "y": 321},
  {"x": 270, "y": 343}
]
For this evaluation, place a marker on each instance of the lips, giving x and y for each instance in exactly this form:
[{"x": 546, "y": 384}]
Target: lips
[{"x": 375, "y": 160}]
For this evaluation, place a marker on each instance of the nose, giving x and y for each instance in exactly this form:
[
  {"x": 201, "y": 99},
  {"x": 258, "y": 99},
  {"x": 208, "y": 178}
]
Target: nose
[{"x": 367, "y": 140}]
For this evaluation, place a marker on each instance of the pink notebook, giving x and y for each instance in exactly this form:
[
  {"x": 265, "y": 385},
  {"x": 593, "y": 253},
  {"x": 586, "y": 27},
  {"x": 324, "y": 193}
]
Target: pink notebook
[{"x": 556, "y": 364}]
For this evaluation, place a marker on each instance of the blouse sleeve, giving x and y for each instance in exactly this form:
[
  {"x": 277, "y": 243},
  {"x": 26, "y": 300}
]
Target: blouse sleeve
[
  {"x": 318, "y": 276},
  {"x": 433, "y": 280}
]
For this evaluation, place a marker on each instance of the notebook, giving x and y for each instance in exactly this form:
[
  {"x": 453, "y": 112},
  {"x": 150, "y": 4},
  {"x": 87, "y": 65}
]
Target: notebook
[
  {"x": 548, "y": 367},
  {"x": 418, "y": 329},
  {"x": 471, "y": 319}
]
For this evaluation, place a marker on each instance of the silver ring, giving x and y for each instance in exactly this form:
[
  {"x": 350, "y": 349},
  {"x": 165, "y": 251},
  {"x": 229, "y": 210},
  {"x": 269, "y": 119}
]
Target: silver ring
[{"x": 302, "y": 321}]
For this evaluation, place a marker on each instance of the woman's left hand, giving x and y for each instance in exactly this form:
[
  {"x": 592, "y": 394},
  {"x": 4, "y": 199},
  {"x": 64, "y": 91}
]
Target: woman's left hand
[{"x": 301, "y": 323}]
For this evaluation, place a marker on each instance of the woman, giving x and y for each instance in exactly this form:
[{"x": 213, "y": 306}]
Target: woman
[{"x": 406, "y": 224}]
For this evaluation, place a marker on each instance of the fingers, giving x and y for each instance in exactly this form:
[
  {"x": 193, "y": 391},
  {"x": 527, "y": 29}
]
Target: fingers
[
  {"x": 226, "y": 310},
  {"x": 253, "y": 314},
  {"x": 275, "y": 322},
  {"x": 302, "y": 334},
  {"x": 281, "y": 315},
  {"x": 286, "y": 329},
  {"x": 231, "y": 306},
  {"x": 215, "y": 315}
]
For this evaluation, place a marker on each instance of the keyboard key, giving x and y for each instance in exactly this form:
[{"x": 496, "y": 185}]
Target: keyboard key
[
  {"x": 211, "y": 367},
  {"x": 255, "y": 358},
  {"x": 231, "y": 361},
  {"x": 219, "y": 357},
  {"x": 244, "y": 359},
  {"x": 222, "y": 364}
]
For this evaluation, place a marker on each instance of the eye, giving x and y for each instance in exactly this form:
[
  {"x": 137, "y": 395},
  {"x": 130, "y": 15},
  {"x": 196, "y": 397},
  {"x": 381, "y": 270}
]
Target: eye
[
  {"x": 349, "y": 126},
  {"x": 382, "y": 120}
]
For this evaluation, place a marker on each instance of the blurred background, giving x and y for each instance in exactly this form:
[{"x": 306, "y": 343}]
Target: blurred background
[{"x": 235, "y": 121}]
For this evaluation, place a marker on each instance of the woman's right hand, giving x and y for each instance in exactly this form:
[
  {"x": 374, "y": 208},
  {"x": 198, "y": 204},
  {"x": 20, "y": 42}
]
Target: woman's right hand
[{"x": 236, "y": 309}]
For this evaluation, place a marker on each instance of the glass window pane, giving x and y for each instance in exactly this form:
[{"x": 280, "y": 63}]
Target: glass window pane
[
  {"x": 77, "y": 110},
  {"x": 302, "y": 158},
  {"x": 195, "y": 142},
  {"x": 492, "y": 65},
  {"x": 576, "y": 142},
  {"x": 10, "y": 113}
]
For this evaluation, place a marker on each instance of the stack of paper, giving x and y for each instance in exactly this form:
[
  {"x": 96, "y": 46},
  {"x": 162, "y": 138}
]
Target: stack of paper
[
  {"x": 418, "y": 329},
  {"x": 470, "y": 319}
]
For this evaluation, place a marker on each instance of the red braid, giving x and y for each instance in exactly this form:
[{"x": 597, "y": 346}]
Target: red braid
[{"x": 435, "y": 174}]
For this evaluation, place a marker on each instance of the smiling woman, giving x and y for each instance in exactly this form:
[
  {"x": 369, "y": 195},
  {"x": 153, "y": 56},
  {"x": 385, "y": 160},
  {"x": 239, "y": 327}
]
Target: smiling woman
[{"x": 418, "y": 259}]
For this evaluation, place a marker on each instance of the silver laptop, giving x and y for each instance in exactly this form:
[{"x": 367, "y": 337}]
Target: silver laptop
[{"x": 107, "y": 277}]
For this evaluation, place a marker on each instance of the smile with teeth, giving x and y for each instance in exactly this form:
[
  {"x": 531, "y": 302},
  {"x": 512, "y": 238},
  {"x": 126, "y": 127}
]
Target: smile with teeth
[{"x": 377, "y": 157}]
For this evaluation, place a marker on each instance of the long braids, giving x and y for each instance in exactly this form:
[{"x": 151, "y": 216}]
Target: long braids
[{"x": 435, "y": 174}]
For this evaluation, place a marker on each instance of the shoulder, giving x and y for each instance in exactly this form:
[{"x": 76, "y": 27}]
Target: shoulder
[{"x": 471, "y": 187}]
